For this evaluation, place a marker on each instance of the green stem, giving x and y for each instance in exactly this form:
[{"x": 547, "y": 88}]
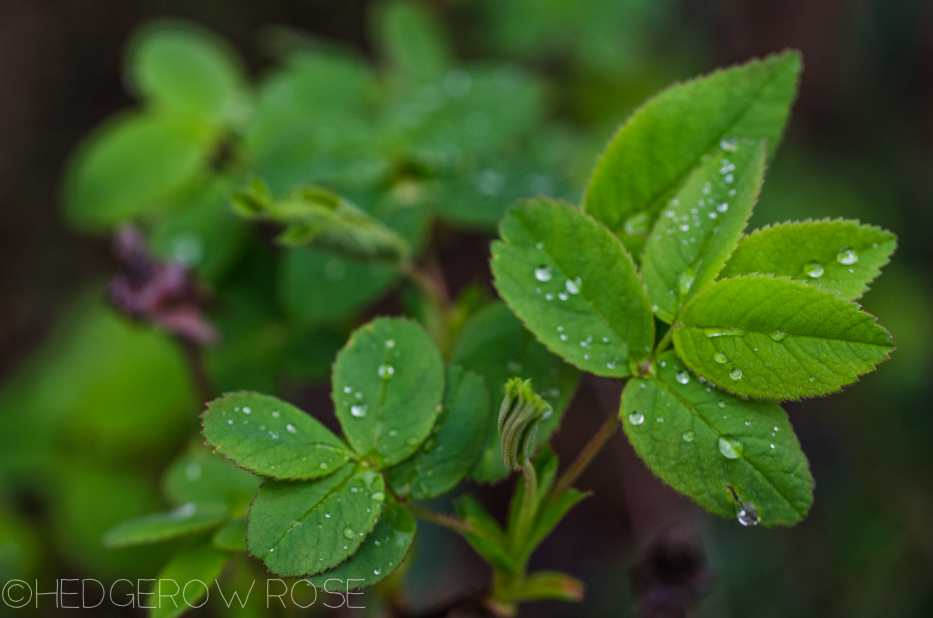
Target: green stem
[
  {"x": 430, "y": 282},
  {"x": 586, "y": 456},
  {"x": 200, "y": 380},
  {"x": 665, "y": 342},
  {"x": 529, "y": 508},
  {"x": 447, "y": 521}
]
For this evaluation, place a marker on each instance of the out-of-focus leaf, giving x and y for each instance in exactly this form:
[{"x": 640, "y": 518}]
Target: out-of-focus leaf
[
  {"x": 839, "y": 254},
  {"x": 306, "y": 528},
  {"x": 133, "y": 166},
  {"x": 458, "y": 438},
  {"x": 656, "y": 149},
  {"x": 183, "y": 520},
  {"x": 388, "y": 386},
  {"x": 412, "y": 40},
  {"x": 732, "y": 456},
  {"x": 203, "y": 477},
  {"x": 231, "y": 536},
  {"x": 381, "y": 553},
  {"x": 495, "y": 345},
  {"x": 574, "y": 286},
  {"x": 486, "y": 536},
  {"x": 188, "y": 73},
  {"x": 200, "y": 564},
  {"x": 757, "y": 336},
  {"x": 19, "y": 548}
]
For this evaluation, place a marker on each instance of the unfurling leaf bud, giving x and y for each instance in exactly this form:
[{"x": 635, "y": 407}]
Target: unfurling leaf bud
[{"x": 521, "y": 411}]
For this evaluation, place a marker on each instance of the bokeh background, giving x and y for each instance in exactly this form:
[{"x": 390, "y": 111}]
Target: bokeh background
[{"x": 93, "y": 409}]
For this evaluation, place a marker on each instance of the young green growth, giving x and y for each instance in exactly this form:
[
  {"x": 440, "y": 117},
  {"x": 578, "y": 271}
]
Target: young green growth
[{"x": 521, "y": 411}]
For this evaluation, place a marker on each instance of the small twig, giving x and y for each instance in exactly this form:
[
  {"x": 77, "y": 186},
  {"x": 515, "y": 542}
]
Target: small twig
[
  {"x": 448, "y": 521},
  {"x": 194, "y": 356},
  {"x": 586, "y": 456}
]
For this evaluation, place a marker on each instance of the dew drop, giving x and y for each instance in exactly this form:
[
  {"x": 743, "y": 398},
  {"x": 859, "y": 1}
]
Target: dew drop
[
  {"x": 723, "y": 207},
  {"x": 730, "y": 144},
  {"x": 689, "y": 436},
  {"x": 562, "y": 295},
  {"x": 636, "y": 418},
  {"x": 778, "y": 335},
  {"x": 573, "y": 285},
  {"x": 730, "y": 447},
  {"x": 720, "y": 358},
  {"x": 377, "y": 571},
  {"x": 814, "y": 270},
  {"x": 543, "y": 273},
  {"x": 291, "y": 428},
  {"x": 327, "y": 515},
  {"x": 683, "y": 377},
  {"x": 347, "y": 389},
  {"x": 323, "y": 466},
  {"x": 359, "y": 410},
  {"x": 385, "y": 371},
  {"x": 379, "y": 496},
  {"x": 847, "y": 256},
  {"x": 748, "y": 514},
  {"x": 390, "y": 343},
  {"x": 660, "y": 419},
  {"x": 637, "y": 225},
  {"x": 722, "y": 404},
  {"x": 736, "y": 374},
  {"x": 246, "y": 410},
  {"x": 348, "y": 534}
]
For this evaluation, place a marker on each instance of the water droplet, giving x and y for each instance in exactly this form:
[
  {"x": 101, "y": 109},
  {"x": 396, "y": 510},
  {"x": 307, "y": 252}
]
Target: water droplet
[
  {"x": 271, "y": 549},
  {"x": 723, "y": 332},
  {"x": 730, "y": 447},
  {"x": 548, "y": 297},
  {"x": 722, "y": 404},
  {"x": 323, "y": 466},
  {"x": 563, "y": 337},
  {"x": 543, "y": 273},
  {"x": 390, "y": 343},
  {"x": 377, "y": 571},
  {"x": 539, "y": 246},
  {"x": 729, "y": 179},
  {"x": 385, "y": 371},
  {"x": 379, "y": 496},
  {"x": 637, "y": 225},
  {"x": 748, "y": 514},
  {"x": 729, "y": 143},
  {"x": 684, "y": 228},
  {"x": 230, "y": 422},
  {"x": 348, "y": 534},
  {"x": 347, "y": 389},
  {"x": 814, "y": 270},
  {"x": 723, "y": 207},
  {"x": 683, "y": 377},
  {"x": 660, "y": 419},
  {"x": 636, "y": 418},
  {"x": 562, "y": 295},
  {"x": 712, "y": 215},
  {"x": 273, "y": 435},
  {"x": 291, "y": 428},
  {"x": 327, "y": 515},
  {"x": 359, "y": 410},
  {"x": 573, "y": 285},
  {"x": 847, "y": 256},
  {"x": 246, "y": 410},
  {"x": 778, "y": 335},
  {"x": 685, "y": 280},
  {"x": 689, "y": 436},
  {"x": 736, "y": 374},
  {"x": 185, "y": 510},
  {"x": 720, "y": 358}
]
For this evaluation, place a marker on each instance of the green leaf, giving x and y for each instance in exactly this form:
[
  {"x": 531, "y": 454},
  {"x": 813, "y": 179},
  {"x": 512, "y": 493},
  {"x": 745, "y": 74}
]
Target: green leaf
[
  {"x": 173, "y": 596},
  {"x": 315, "y": 287},
  {"x": 306, "y": 528},
  {"x": 132, "y": 166},
  {"x": 495, "y": 345},
  {"x": 188, "y": 72},
  {"x": 655, "y": 150},
  {"x": 549, "y": 585},
  {"x": 272, "y": 438},
  {"x": 486, "y": 536},
  {"x": 701, "y": 226},
  {"x": 381, "y": 553},
  {"x": 757, "y": 336},
  {"x": 318, "y": 218},
  {"x": 184, "y": 520},
  {"x": 413, "y": 41},
  {"x": 838, "y": 254},
  {"x": 208, "y": 478},
  {"x": 707, "y": 444},
  {"x": 550, "y": 514},
  {"x": 231, "y": 536},
  {"x": 457, "y": 440},
  {"x": 574, "y": 286},
  {"x": 388, "y": 386}
]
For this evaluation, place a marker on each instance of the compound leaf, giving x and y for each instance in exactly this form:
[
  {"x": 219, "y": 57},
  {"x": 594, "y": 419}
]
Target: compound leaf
[
  {"x": 758, "y": 336},
  {"x": 457, "y": 440},
  {"x": 198, "y": 566},
  {"x": 381, "y": 553},
  {"x": 388, "y": 388},
  {"x": 306, "y": 528},
  {"x": 574, "y": 286},
  {"x": 655, "y": 150},
  {"x": 701, "y": 226},
  {"x": 495, "y": 345},
  {"x": 729, "y": 455},
  {"x": 182, "y": 521},
  {"x": 272, "y": 438},
  {"x": 839, "y": 254}
]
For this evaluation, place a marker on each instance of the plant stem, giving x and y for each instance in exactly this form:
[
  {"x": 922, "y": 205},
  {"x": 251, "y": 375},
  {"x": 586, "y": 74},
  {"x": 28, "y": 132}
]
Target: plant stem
[
  {"x": 448, "y": 521},
  {"x": 200, "y": 379},
  {"x": 665, "y": 341},
  {"x": 529, "y": 508},
  {"x": 589, "y": 452},
  {"x": 428, "y": 281}
]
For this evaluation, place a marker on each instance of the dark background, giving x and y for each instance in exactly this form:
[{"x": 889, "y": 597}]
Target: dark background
[{"x": 860, "y": 144}]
